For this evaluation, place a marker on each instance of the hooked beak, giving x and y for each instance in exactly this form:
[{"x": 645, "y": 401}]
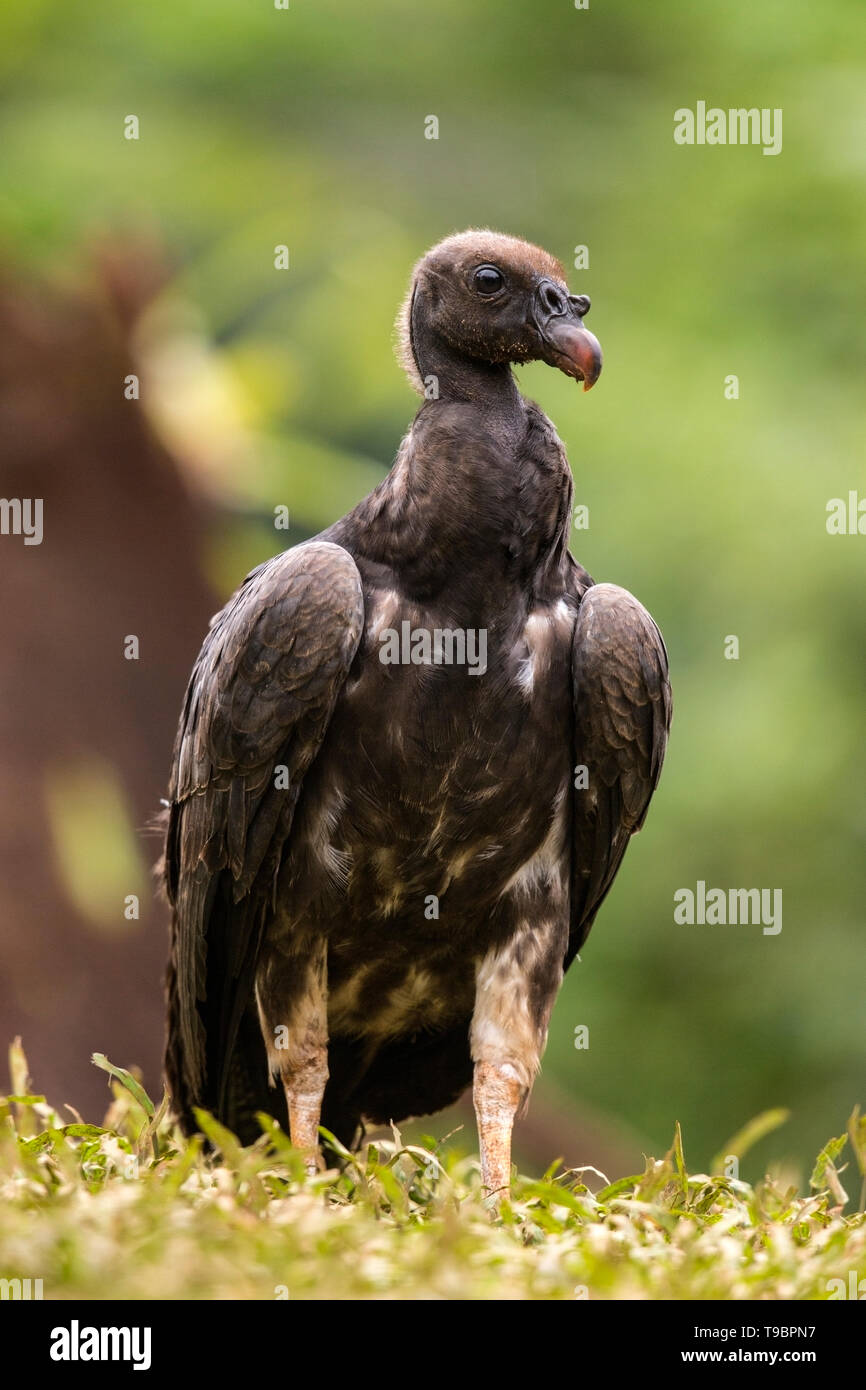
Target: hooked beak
[{"x": 565, "y": 342}]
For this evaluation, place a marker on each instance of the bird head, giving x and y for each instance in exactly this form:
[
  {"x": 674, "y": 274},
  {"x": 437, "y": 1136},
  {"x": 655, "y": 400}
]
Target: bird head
[{"x": 496, "y": 299}]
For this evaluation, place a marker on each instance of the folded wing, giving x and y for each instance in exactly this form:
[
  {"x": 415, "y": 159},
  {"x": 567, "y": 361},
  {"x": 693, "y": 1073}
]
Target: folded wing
[
  {"x": 622, "y": 706},
  {"x": 259, "y": 700}
]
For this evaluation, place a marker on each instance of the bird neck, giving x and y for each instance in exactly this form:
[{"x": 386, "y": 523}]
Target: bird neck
[
  {"x": 447, "y": 374},
  {"x": 477, "y": 503}
]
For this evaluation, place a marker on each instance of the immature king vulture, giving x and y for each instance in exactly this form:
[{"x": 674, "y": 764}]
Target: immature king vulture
[{"x": 380, "y": 866}]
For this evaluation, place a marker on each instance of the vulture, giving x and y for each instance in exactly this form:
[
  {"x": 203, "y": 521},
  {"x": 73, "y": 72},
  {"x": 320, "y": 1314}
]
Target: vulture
[{"x": 411, "y": 755}]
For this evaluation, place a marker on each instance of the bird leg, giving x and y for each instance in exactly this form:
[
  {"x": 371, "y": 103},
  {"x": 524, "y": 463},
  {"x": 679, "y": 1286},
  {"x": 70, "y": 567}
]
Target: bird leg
[
  {"x": 497, "y": 1095},
  {"x": 516, "y": 985},
  {"x": 293, "y": 1011},
  {"x": 304, "y": 1081}
]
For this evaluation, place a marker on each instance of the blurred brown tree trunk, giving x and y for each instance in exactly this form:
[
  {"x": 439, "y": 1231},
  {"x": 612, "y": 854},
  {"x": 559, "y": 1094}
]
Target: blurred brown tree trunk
[{"x": 119, "y": 556}]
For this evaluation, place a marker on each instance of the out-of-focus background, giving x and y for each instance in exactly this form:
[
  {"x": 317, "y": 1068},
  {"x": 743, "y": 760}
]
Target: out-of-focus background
[{"x": 261, "y": 388}]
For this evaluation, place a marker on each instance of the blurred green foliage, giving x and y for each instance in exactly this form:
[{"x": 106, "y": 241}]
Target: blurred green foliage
[{"x": 306, "y": 127}]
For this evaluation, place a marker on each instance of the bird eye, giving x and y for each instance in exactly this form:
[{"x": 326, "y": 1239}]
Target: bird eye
[{"x": 488, "y": 279}]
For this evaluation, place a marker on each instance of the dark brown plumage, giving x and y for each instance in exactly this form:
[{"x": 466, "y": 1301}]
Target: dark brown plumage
[{"x": 379, "y": 872}]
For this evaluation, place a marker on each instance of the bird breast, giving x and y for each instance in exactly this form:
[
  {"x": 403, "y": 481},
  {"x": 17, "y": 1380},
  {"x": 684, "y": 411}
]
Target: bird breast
[{"x": 436, "y": 817}]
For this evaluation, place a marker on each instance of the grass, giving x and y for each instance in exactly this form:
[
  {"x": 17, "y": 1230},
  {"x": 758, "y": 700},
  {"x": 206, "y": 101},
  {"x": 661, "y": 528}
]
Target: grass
[{"x": 129, "y": 1209}]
